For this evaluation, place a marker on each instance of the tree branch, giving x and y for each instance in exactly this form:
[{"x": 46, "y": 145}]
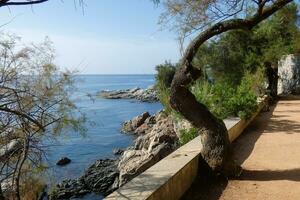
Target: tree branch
[
  {"x": 232, "y": 24},
  {"x": 14, "y": 3},
  {"x": 6, "y": 109}
]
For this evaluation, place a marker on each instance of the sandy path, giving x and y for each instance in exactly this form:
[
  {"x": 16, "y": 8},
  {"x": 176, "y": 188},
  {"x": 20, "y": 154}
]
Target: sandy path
[{"x": 269, "y": 152}]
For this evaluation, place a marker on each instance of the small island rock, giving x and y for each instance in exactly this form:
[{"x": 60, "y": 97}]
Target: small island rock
[{"x": 63, "y": 161}]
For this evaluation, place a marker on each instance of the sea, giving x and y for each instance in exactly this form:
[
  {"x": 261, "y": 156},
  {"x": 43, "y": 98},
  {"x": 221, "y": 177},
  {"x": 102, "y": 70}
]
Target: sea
[{"x": 104, "y": 120}]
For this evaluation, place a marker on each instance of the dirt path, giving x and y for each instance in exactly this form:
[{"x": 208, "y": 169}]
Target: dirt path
[{"x": 269, "y": 152}]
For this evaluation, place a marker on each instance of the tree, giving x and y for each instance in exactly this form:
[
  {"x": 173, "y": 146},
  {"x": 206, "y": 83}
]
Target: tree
[
  {"x": 35, "y": 105},
  {"x": 237, "y": 52},
  {"x": 212, "y": 18}
]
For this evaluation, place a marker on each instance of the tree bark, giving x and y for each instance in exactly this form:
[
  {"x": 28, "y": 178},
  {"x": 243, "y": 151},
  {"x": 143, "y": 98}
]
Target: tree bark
[
  {"x": 214, "y": 136},
  {"x": 272, "y": 75}
]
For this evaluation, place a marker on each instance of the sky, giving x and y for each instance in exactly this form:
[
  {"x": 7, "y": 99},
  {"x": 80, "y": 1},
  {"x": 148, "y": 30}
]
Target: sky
[{"x": 109, "y": 37}]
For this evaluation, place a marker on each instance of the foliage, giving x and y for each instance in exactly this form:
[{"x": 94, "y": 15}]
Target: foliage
[
  {"x": 32, "y": 188},
  {"x": 233, "y": 64},
  {"x": 35, "y": 105},
  {"x": 187, "y": 135},
  {"x": 225, "y": 100},
  {"x": 164, "y": 77},
  {"x": 233, "y": 54},
  {"x": 165, "y": 74}
]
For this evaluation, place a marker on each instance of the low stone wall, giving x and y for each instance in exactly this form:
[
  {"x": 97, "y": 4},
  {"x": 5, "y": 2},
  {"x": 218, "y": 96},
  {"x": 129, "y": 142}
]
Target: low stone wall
[{"x": 171, "y": 177}]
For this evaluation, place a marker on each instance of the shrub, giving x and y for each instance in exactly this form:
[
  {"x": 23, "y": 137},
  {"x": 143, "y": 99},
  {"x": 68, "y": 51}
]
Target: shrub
[
  {"x": 215, "y": 97},
  {"x": 244, "y": 102},
  {"x": 226, "y": 100},
  {"x": 164, "y": 77},
  {"x": 165, "y": 74},
  {"x": 223, "y": 98},
  {"x": 32, "y": 188},
  {"x": 187, "y": 135},
  {"x": 164, "y": 98}
]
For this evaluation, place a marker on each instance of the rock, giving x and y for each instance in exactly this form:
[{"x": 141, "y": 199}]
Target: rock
[
  {"x": 101, "y": 177},
  {"x": 150, "y": 120},
  {"x": 289, "y": 75},
  {"x": 69, "y": 189},
  {"x": 6, "y": 185},
  {"x": 144, "y": 95},
  {"x": 63, "y": 161},
  {"x": 12, "y": 146},
  {"x": 156, "y": 139},
  {"x": 131, "y": 125},
  {"x": 149, "y": 148},
  {"x": 143, "y": 129},
  {"x": 118, "y": 151}
]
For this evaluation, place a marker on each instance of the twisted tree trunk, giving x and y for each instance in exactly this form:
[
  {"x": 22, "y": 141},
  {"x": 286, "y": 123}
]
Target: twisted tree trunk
[{"x": 214, "y": 136}]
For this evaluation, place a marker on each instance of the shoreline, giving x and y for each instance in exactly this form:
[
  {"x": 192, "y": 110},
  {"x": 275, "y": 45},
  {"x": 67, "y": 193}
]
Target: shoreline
[
  {"x": 102, "y": 170},
  {"x": 156, "y": 137}
]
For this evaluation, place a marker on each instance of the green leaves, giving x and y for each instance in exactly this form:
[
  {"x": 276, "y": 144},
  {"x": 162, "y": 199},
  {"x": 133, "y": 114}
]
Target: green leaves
[
  {"x": 164, "y": 77},
  {"x": 187, "y": 135},
  {"x": 226, "y": 100}
]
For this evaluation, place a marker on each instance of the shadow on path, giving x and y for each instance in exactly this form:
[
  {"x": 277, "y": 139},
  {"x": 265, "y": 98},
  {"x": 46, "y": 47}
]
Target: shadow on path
[
  {"x": 208, "y": 187},
  {"x": 267, "y": 175}
]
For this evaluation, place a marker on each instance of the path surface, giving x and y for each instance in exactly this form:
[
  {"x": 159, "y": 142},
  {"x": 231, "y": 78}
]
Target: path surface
[{"x": 269, "y": 152}]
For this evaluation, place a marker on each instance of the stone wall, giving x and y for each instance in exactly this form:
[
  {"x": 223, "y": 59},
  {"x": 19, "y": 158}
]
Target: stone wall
[{"x": 289, "y": 75}]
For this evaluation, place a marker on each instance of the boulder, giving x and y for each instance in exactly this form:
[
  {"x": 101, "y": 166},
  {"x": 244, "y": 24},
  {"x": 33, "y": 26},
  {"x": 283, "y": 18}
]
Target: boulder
[
  {"x": 6, "y": 185},
  {"x": 101, "y": 177},
  {"x": 63, "y": 161},
  {"x": 289, "y": 75},
  {"x": 148, "y": 150},
  {"x": 131, "y": 125},
  {"x": 69, "y": 189},
  {"x": 118, "y": 151}
]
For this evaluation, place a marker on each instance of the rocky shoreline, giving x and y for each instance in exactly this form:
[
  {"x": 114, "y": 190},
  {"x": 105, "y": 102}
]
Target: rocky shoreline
[
  {"x": 156, "y": 137},
  {"x": 99, "y": 178},
  {"x": 144, "y": 95}
]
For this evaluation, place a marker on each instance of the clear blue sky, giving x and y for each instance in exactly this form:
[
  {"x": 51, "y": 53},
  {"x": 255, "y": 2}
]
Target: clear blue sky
[{"x": 111, "y": 37}]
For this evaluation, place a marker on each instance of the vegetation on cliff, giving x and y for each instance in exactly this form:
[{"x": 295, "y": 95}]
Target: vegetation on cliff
[{"x": 235, "y": 67}]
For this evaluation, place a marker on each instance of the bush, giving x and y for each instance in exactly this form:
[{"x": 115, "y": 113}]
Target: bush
[
  {"x": 215, "y": 97},
  {"x": 244, "y": 102},
  {"x": 32, "y": 188},
  {"x": 164, "y": 98},
  {"x": 225, "y": 100},
  {"x": 187, "y": 135},
  {"x": 164, "y": 77},
  {"x": 165, "y": 74}
]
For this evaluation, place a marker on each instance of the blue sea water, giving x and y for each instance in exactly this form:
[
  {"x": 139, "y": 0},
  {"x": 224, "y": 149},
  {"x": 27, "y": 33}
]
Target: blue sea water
[{"x": 106, "y": 115}]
